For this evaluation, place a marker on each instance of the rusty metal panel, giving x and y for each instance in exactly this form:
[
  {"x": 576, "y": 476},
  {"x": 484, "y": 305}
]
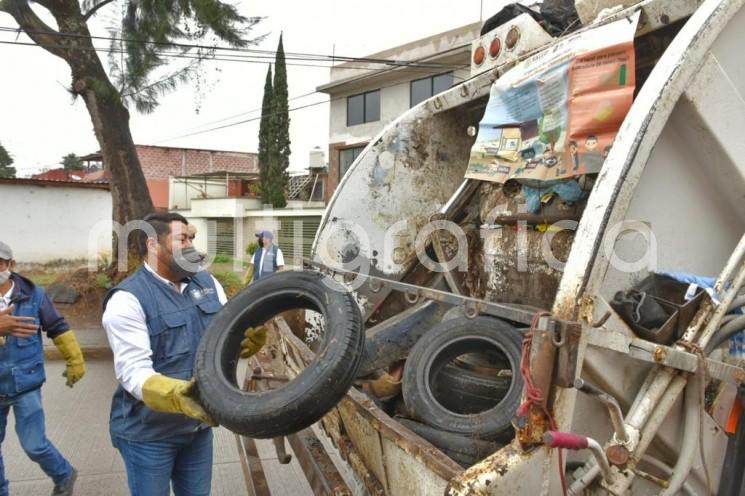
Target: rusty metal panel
[
  {"x": 320, "y": 471},
  {"x": 407, "y": 474},
  {"x": 366, "y": 441}
]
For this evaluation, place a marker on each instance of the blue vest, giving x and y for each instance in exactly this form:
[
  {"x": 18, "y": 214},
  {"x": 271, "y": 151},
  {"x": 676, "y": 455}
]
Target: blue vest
[
  {"x": 176, "y": 323},
  {"x": 22, "y": 359},
  {"x": 270, "y": 262}
]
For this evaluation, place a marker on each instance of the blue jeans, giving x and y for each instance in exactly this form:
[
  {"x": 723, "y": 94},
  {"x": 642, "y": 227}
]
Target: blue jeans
[
  {"x": 32, "y": 435},
  {"x": 186, "y": 460}
]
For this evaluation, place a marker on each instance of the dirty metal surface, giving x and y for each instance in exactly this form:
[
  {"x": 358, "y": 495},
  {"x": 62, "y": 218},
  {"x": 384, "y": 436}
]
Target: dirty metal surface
[
  {"x": 389, "y": 193},
  {"x": 661, "y": 354},
  {"x": 472, "y": 306},
  {"x": 320, "y": 471},
  {"x": 392, "y": 339}
]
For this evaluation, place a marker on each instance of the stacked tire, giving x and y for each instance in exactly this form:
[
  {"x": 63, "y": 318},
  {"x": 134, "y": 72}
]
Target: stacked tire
[{"x": 462, "y": 379}]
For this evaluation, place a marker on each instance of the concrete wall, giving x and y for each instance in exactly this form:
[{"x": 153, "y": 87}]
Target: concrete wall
[{"x": 44, "y": 223}]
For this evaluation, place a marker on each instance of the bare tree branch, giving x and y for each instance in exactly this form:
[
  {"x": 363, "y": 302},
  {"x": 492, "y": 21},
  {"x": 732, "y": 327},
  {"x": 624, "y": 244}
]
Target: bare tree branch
[
  {"x": 95, "y": 9},
  {"x": 35, "y": 28}
]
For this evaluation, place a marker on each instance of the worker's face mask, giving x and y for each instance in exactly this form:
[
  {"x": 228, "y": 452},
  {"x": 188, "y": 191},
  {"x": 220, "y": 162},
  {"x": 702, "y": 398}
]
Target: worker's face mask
[
  {"x": 260, "y": 241},
  {"x": 186, "y": 262},
  {"x": 4, "y": 276}
]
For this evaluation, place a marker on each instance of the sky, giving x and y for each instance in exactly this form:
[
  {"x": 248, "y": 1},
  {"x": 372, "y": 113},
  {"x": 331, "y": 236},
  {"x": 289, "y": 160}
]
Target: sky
[{"x": 40, "y": 122}]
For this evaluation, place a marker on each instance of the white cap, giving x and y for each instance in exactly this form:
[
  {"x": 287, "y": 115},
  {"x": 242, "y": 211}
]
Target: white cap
[{"x": 5, "y": 252}]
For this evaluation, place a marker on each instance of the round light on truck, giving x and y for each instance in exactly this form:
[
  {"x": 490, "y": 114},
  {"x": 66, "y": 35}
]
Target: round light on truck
[
  {"x": 495, "y": 48},
  {"x": 513, "y": 36},
  {"x": 478, "y": 55}
]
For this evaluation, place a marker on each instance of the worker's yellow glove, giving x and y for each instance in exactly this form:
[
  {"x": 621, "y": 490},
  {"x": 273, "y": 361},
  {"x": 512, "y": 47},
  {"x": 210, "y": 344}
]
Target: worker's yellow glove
[
  {"x": 68, "y": 346},
  {"x": 249, "y": 275},
  {"x": 169, "y": 395},
  {"x": 255, "y": 339}
]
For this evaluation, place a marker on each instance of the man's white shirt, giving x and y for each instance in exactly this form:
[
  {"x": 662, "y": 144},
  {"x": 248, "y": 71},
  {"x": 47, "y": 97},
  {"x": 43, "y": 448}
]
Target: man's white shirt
[
  {"x": 5, "y": 299},
  {"x": 126, "y": 329}
]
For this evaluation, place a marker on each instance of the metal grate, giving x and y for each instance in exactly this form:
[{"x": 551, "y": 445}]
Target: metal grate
[
  {"x": 305, "y": 228},
  {"x": 225, "y": 237}
]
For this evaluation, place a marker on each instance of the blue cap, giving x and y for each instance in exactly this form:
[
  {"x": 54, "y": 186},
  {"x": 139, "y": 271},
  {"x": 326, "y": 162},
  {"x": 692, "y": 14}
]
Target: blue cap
[{"x": 265, "y": 234}]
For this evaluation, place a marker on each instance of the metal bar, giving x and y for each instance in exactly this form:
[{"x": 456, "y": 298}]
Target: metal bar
[
  {"x": 256, "y": 479},
  {"x": 661, "y": 354},
  {"x": 244, "y": 467},
  {"x": 516, "y": 313},
  {"x": 322, "y": 475},
  {"x": 253, "y": 471},
  {"x": 614, "y": 409}
]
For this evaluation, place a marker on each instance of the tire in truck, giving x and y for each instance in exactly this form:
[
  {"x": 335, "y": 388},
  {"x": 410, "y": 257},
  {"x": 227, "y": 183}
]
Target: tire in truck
[{"x": 437, "y": 351}]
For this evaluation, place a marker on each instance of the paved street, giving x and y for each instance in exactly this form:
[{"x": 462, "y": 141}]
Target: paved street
[{"x": 77, "y": 423}]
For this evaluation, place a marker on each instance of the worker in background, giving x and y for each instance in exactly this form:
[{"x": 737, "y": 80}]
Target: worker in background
[
  {"x": 26, "y": 311},
  {"x": 268, "y": 258},
  {"x": 154, "y": 321}
]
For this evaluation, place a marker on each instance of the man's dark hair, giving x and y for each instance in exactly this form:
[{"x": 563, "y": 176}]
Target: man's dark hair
[{"x": 161, "y": 224}]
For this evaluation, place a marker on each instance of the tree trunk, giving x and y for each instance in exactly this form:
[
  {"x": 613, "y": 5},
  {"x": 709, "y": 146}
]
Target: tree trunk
[{"x": 110, "y": 118}]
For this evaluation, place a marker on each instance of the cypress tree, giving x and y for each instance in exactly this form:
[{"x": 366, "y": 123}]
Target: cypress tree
[
  {"x": 266, "y": 139},
  {"x": 281, "y": 161}
]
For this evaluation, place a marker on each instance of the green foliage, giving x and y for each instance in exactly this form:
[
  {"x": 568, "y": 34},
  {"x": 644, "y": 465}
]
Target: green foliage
[
  {"x": 265, "y": 138},
  {"x": 222, "y": 259},
  {"x": 72, "y": 162},
  {"x": 103, "y": 281},
  {"x": 274, "y": 134},
  {"x": 251, "y": 248},
  {"x": 151, "y": 33},
  {"x": 281, "y": 129},
  {"x": 230, "y": 281},
  {"x": 6, "y": 162},
  {"x": 254, "y": 189}
]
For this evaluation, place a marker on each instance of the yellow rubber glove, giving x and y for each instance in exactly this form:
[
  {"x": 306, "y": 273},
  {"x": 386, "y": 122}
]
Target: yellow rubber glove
[
  {"x": 169, "y": 395},
  {"x": 249, "y": 277},
  {"x": 255, "y": 339},
  {"x": 68, "y": 346}
]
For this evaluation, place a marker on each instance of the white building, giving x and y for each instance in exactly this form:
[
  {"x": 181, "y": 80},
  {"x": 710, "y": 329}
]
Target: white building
[
  {"x": 365, "y": 97},
  {"x": 48, "y": 221}
]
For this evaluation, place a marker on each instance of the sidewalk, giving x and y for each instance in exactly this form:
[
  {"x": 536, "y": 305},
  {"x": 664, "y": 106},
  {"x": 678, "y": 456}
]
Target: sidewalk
[
  {"x": 92, "y": 341},
  {"x": 77, "y": 423}
]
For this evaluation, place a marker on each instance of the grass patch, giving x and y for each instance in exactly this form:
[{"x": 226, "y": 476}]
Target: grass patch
[
  {"x": 43, "y": 279},
  {"x": 230, "y": 281},
  {"x": 103, "y": 281}
]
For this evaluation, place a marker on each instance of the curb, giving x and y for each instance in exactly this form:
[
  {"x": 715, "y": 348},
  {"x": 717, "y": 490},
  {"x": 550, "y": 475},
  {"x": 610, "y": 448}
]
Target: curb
[{"x": 89, "y": 352}]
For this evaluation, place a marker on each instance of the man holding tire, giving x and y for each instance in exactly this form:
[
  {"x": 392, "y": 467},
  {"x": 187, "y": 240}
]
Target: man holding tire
[{"x": 154, "y": 321}]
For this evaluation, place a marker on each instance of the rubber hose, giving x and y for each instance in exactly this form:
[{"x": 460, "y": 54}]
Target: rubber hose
[
  {"x": 725, "y": 332},
  {"x": 689, "y": 448}
]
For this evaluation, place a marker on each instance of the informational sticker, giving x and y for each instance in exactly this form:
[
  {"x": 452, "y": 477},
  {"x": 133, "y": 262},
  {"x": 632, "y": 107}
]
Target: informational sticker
[{"x": 555, "y": 115}]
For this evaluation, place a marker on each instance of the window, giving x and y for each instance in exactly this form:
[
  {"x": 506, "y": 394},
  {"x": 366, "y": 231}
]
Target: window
[
  {"x": 364, "y": 107},
  {"x": 347, "y": 157},
  {"x": 424, "y": 88}
]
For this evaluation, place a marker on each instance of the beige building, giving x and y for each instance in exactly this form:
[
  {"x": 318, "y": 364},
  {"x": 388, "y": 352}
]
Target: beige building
[{"x": 367, "y": 96}]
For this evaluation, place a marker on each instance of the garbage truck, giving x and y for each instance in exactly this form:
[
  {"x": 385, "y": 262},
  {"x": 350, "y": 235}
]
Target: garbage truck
[{"x": 542, "y": 267}]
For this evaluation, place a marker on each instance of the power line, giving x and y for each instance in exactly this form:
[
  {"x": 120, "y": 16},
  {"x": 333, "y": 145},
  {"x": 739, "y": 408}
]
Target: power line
[
  {"x": 258, "y": 53},
  {"x": 217, "y": 58},
  {"x": 253, "y": 119},
  {"x": 409, "y": 66}
]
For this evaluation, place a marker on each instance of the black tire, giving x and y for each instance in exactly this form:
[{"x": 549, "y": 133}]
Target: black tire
[
  {"x": 463, "y": 450},
  {"x": 466, "y": 391},
  {"x": 439, "y": 347},
  {"x": 309, "y": 396}
]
